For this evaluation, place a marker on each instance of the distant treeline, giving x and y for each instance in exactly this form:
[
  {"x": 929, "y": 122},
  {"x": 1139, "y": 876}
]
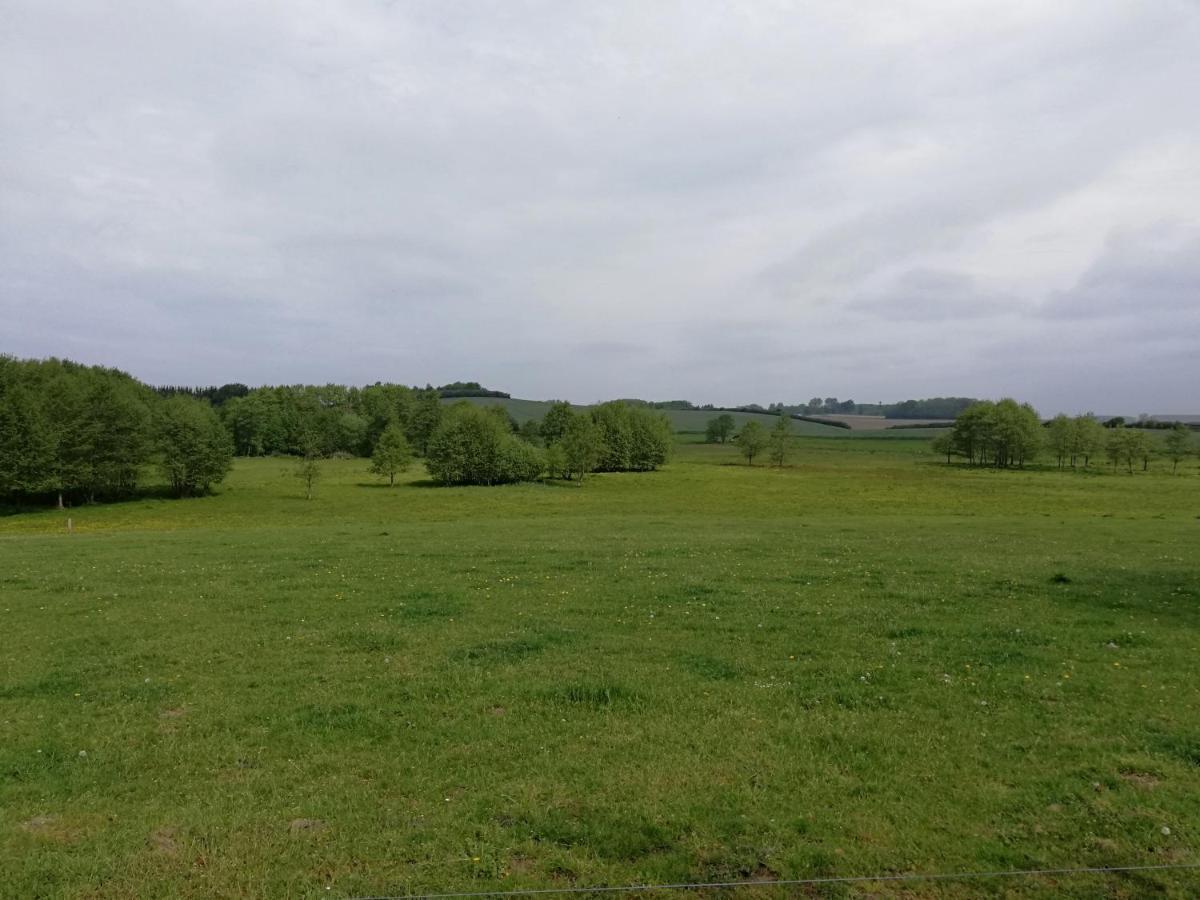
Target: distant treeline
[
  {"x": 75, "y": 433},
  {"x": 1007, "y": 434},
  {"x": 930, "y": 408},
  {"x": 217, "y": 396}
]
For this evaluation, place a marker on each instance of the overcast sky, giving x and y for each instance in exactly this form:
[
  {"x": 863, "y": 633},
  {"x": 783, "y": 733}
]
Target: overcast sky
[{"x": 723, "y": 202}]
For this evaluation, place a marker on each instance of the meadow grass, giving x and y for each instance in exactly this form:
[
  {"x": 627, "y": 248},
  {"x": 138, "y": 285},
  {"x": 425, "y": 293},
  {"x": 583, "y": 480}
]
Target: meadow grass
[{"x": 865, "y": 663}]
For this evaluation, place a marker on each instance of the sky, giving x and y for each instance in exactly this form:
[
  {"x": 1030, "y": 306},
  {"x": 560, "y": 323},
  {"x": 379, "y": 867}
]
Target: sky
[{"x": 722, "y": 202}]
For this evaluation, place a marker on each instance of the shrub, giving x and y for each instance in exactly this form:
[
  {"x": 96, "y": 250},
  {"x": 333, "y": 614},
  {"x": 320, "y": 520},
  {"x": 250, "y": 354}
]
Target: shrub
[{"x": 474, "y": 446}]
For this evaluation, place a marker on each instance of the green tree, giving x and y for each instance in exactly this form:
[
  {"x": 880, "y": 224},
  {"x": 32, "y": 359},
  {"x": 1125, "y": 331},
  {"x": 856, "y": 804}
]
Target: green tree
[
  {"x": 632, "y": 438},
  {"x": 195, "y": 450},
  {"x": 308, "y": 468},
  {"x": 475, "y": 446},
  {"x": 751, "y": 440},
  {"x": 1060, "y": 438},
  {"x": 1088, "y": 438},
  {"x": 554, "y": 423},
  {"x": 531, "y": 432},
  {"x": 26, "y": 442},
  {"x": 426, "y": 415},
  {"x": 720, "y": 429},
  {"x": 392, "y": 453},
  {"x": 1178, "y": 445},
  {"x": 580, "y": 447},
  {"x": 1002, "y": 434},
  {"x": 943, "y": 445},
  {"x": 1127, "y": 446},
  {"x": 780, "y": 440}
]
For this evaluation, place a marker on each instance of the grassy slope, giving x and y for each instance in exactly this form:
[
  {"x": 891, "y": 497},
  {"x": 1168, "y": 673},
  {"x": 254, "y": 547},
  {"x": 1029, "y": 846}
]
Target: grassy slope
[{"x": 861, "y": 664}]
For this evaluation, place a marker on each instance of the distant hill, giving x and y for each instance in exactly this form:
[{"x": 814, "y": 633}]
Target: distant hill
[{"x": 694, "y": 421}]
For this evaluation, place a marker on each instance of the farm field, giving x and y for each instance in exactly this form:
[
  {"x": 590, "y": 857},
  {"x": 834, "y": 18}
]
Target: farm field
[{"x": 866, "y": 663}]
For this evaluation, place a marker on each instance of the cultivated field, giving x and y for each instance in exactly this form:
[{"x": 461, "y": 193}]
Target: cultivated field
[
  {"x": 866, "y": 663},
  {"x": 881, "y": 423}
]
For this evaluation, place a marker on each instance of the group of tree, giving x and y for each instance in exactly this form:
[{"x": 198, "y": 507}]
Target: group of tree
[
  {"x": 753, "y": 440},
  {"x": 474, "y": 445},
  {"x": 1001, "y": 434},
  {"x": 1006, "y": 433},
  {"x": 77, "y": 433},
  {"x": 338, "y": 419}
]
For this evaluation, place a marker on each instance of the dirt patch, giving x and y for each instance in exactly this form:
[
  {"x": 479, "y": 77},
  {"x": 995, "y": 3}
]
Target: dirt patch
[
  {"x": 299, "y": 826},
  {"x": 520, "y": 865},
  {"x": 762, "y": 873},
  {"x": 498, "y": 710},
  {"x": 51, "y": 828},
  {"x": 1143, "y": 780},
  {"x": 163, "y": 840},
  {"x": 176, "y": 713}
]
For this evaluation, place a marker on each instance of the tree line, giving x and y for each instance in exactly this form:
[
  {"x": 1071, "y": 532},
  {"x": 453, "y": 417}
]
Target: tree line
[
  {"x": 1007, "y": 434},
  {"x": 78, "y": 433},
  {"x": 72, "y": 433}
]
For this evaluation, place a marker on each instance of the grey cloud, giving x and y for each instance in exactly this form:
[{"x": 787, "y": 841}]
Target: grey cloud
[
  {"x": 1151, "y": 273},
  {"x": 933, "y": 295},
  {"x": 671, "y": 199}
]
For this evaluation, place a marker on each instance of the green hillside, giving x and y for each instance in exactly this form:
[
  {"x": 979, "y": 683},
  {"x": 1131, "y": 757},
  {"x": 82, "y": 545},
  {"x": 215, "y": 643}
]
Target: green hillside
[{"x": 682, "y": 420}]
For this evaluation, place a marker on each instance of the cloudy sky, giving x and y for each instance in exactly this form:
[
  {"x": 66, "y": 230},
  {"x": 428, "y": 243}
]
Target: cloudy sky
[{"x": 724, "y": 202}]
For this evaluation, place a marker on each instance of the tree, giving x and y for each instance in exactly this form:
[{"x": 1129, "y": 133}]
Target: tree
[
  {"x": 195, "y": 450},
  {"x": 1088, "y": 438},
  {"x": 392, "y": 453},
  {"x": 554, "y": 423},
  {"x": 751, "y": 440},
  {"x": 1178, "y": 445},
  {"x": 780, "y": 440},
  {"x": 474, "y": 446},
  {"x": 1060, "y": 437},
  {"x": 425, "y": 416},
  {"x": 720, "y": 429},
  {"x": 1002, "y": 434},
  {"x": 308, "y": 470},
  {"x": 943, "y": 444},
  {"x": 580, "y": 447},
  {"x": 531, "y": 432},
  {"x": 26, "y": 442},
  {"x": 1128, "y": 445},
  {"x": 632, "y": 438}
]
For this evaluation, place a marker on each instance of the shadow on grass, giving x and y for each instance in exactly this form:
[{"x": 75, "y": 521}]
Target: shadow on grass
[{"x": 49, "y": 502}]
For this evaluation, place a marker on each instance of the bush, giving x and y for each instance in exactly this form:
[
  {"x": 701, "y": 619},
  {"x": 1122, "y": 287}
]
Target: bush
[
  {"x": 474, "y": 446},
  {"x": 632, "y": 438}
]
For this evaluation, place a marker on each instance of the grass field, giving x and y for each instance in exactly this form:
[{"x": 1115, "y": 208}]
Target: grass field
[{"x": 866, "y": 663}]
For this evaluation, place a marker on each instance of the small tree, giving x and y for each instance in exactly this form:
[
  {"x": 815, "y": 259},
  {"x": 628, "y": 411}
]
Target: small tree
[
  {"x": 780, "y": 441},
  {"x": 943, "y": 444},
  {"x": 751, "y": 440},
  {"x": 1178, "y": 445},
  {"x": 581, "y": 447},
  {"x": 392, "y": 454},
  {"x": 309, "y": 468},
  {"x": 1088, "y": 438},
  {"x": 720, "y": 429},
  {"x": 195, "y": 448},
  {"x": 554, "y": 423},
  {"x": 1060, "y": 434}
]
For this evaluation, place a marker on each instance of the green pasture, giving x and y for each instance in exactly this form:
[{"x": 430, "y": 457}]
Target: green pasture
[{"x": 866, "y": 663}]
